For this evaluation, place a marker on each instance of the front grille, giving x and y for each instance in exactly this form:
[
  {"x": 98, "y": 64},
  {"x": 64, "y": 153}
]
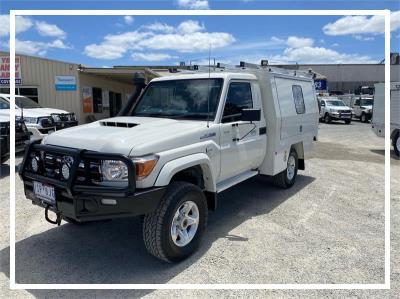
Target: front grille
[
  {"x": 50, "y": 165},
  {"x": 20, "y": 127},
  {"x": 46, "y": 122},
  {"x": 345, "y": 111}
]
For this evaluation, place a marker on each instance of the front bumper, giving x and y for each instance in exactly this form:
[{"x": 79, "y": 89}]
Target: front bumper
[
  {"x": 38, "y": 133},
  {"x": 84, "y": 203},
  {"x": 340, "y": 116}
]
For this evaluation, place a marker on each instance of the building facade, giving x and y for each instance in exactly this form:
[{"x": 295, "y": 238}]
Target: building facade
[{"x": 63, "y": 85}]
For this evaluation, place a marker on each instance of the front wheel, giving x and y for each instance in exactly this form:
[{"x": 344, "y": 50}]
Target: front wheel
[
  {"x": 287, "y": 178},
  {"x": 364, "y": 118},
  {"x": 327, "y": 119},
  {"x": 347, "y": 121},
  {"x": 174, "y": 230},
  {"x": 396, "y": 144}
]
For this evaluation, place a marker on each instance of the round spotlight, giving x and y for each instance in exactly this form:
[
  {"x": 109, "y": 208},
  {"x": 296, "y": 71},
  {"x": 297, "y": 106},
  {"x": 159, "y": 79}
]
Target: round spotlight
[
  {"x": 35, "y": 164},
  {"x": 65, "y": 171}
]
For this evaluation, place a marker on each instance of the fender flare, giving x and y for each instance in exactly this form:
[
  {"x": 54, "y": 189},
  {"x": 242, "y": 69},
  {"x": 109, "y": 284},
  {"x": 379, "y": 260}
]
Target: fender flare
[{"x": 174, "y": 166}]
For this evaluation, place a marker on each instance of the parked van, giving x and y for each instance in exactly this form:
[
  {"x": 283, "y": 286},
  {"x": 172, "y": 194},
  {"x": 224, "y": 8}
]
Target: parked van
[
  {"x": 189, "y": 137},
  {"x": 378, "y": 120}
]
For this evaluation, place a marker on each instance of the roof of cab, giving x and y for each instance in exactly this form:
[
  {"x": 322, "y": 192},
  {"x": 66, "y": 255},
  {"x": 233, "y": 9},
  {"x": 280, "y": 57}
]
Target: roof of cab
[{"x": 205, "y": 75}]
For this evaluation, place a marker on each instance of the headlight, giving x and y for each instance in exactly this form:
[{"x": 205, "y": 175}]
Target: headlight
[
  {"x": 114, "y": 170},
  {"x": 144, "y": 165},
  {"x": 56, "y": 118},
  {"x": 31, "y": 120}
]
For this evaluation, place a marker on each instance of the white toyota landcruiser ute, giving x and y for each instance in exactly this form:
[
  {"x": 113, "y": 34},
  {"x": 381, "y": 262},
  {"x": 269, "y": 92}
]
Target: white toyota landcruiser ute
[
  {"x": 188, "y": 137},
  {"x": 334, "y": 109},
  {"x": 40, "y": 121}
]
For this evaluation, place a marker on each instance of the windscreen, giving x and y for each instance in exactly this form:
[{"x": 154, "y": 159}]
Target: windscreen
[
  {"x": 336, "y": 103},
  {"x": 26, "y": 103},
  {"x": 180, "y": 99},
  {"x": 367, "y": 102}
]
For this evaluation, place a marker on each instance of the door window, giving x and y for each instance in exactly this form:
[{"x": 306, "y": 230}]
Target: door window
[
  {"x": 239, "y": 97},
  {"x": 357, "y": 102},
  {"x": 4, "y": 104},
  {"x": 298, "y": 99}
]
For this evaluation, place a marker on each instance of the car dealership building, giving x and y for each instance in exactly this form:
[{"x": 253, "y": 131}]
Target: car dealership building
[{"x": 96, "y": 93}]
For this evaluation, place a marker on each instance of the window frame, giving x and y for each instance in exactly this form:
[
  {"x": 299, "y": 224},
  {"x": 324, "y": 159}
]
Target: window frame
[
  {"x": 226, "y": 98},
  {"x": 302, "y": 97}
]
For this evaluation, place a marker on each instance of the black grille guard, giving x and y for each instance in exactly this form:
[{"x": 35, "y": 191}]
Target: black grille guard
[{"x": 79, "y": 155}]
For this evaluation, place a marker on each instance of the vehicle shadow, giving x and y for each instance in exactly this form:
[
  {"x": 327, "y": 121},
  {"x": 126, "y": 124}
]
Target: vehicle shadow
[
  {"x": 113, "y": 252},
  {"x": 382, "y": 153}
]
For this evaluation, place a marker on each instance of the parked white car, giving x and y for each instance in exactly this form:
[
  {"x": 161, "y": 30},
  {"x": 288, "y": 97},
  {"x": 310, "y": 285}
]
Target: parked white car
[
  {"x": 39, "y": 121},
  {"x": 334, "y": 109},
  {"x": 362, "y": 107},
  {"x": 378, "y": 120},
  {"x": 189, "y": 137}
]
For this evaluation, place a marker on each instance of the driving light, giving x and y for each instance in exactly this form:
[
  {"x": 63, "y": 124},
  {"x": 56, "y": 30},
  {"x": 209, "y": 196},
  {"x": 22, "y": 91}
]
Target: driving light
[
  {"x": 65, "y": 171},
  {"x": 144, "y": 165},
  {"x": 114, "y": 170},
  {"x": 35, "y": 164},
  {"x": 56, "y": 118}
]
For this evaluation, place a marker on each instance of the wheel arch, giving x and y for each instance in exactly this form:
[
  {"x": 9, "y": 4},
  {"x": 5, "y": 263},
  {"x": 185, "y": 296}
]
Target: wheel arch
[{"x": 194, "y": 169}]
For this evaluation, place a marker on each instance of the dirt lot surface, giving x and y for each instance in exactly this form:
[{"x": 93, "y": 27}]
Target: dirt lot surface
[{"x": 329, "y": 228}]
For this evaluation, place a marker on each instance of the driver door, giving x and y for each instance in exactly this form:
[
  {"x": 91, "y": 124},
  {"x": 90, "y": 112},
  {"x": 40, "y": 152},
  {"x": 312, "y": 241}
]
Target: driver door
[{"x": 239, "y": 140}]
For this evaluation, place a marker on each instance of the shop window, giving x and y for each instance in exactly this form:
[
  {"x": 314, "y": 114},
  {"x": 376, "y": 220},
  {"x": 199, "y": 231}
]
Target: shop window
[
  {"x": 29, "y": 92},
  {"x": 97, "y": 100}
]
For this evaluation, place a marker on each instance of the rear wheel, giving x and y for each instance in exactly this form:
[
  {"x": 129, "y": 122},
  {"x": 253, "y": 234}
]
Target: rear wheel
[
  {"x": 287, "y": 178},
  {"x": 174, "y": 230},
  {"x": 396, "y": 145}
]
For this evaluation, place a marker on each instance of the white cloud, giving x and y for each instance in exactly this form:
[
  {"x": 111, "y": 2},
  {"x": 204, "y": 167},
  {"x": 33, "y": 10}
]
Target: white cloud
[
  {"x": 161, "y": 27},
  {"x": 46, "y": 29},
  {"x": 299, "y": 42},
  {"x": 21, "y": 24},
  {"x": 361, "y": 25},
  {"x": 152, "y": 56},
  {"x": 38, "y": 48},
  {"x": 363, "y": 38},
  {"x": 190, "y": 26},
  {"x": 188, "y": 36},
  {"x": 310, "y": 54},
  {"x": 128, "y": 20},
  {"x": 193, "y": 4}
]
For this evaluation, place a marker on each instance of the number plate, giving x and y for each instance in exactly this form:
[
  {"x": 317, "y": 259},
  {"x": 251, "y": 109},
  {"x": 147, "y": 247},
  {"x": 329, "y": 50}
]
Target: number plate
[{"x": 44, "y": 192}]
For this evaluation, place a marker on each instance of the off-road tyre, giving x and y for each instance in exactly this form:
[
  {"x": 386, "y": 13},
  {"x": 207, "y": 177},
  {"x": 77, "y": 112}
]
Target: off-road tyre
[
  {"x": 327, "y": 118},
  {"x": 364, "y": 118},
  {"x": 396, "y": 144},
  {"x": 281, "y": 179},
  {"x": 157, "y": 225}
]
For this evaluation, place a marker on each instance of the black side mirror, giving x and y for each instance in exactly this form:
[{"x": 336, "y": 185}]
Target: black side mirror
[{"x": 251, "y": 114}]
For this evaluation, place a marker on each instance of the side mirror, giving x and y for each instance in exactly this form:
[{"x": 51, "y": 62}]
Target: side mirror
[{"x": 251, "y": 114}]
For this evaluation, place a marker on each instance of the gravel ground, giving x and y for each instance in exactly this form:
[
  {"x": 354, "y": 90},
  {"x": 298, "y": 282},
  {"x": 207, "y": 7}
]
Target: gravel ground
[{"x": 329, "y": 228}]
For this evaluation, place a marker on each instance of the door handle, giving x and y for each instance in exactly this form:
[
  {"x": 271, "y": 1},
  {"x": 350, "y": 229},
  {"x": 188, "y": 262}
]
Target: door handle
[{"x": 301, "y": 128}]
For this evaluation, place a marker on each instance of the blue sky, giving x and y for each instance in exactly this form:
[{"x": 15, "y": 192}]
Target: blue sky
[{"x": 160, "y": 40}]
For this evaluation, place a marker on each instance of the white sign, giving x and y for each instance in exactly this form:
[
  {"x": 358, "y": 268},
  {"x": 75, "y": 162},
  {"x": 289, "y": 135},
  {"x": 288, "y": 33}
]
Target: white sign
[
  {"x": 63, "y": 83},
  {"x": 5, "y": 70}
]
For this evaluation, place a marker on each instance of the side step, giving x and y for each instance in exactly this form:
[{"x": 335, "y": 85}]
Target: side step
[{"x": 235, "y": 180}]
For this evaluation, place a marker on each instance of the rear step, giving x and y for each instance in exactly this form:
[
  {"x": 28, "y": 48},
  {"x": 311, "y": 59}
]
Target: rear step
[{"x": 235, "y": 180}]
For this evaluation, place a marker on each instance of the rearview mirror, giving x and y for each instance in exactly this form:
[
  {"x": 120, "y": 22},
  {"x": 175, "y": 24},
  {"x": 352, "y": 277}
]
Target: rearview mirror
[{"x": 251, "y": 114}]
